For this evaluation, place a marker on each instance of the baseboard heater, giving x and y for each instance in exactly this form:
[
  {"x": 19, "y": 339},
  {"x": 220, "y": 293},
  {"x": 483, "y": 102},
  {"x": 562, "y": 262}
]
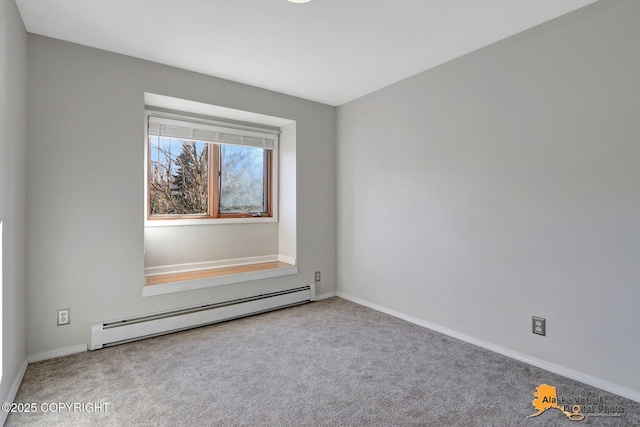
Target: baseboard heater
[{"x": 121, "y": 331}]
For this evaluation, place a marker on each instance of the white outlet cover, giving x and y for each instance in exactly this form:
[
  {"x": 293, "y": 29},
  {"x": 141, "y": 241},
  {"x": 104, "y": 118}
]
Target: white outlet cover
[{"x": 64, "y": 316}]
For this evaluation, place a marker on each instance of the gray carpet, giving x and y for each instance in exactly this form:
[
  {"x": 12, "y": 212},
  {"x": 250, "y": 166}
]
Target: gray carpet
[{"x": 329, "y": 363}]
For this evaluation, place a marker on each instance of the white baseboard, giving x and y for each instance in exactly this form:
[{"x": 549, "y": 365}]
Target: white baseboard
[
  {"x": 326, "y": 295},
  {"x": 287, "y": 259},
  {"x": 534, "y": 361},
  {"x": 13, "y": 391},
  {"x": 66, "y": 351}
]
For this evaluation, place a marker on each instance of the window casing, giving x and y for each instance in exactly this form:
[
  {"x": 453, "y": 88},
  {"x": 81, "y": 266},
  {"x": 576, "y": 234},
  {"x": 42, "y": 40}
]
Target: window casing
[{"x": 199, "y": 169}]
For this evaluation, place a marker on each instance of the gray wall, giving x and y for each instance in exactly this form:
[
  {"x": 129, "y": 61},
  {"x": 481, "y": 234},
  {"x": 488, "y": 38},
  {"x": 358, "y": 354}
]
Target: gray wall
[
  {"x": 189, "y": 244},
  {"x": 13, "y": 139},
  {"x": 506, "y": 184},
  {"x": 85, "y": 192}
]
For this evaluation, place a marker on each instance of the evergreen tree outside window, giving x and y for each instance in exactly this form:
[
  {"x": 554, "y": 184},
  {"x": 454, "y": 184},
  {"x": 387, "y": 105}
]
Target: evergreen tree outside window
[{"x": 179, "y": 177}]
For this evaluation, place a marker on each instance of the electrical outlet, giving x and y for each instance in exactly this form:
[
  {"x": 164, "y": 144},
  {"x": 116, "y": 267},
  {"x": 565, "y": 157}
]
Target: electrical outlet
[
  {"x": 539, "y": 325},
  {"x": 64, "y": 316},
  {"x": 317, "y": 276}
]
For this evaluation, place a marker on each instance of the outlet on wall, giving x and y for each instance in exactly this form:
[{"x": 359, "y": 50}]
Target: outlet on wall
[
  {"x": 64, "y": 316},
  {"x": 539, "y": 326},
  {"x": 317, "y": 276}
]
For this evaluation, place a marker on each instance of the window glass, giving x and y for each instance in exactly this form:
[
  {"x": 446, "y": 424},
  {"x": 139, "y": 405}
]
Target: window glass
[
  {"x": 242, "y": 179},
  {"x": 178, "y": 177}
]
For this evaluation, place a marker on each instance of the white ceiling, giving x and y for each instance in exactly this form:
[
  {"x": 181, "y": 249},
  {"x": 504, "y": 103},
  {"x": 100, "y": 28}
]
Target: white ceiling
[{"x": 330, "y": 51}]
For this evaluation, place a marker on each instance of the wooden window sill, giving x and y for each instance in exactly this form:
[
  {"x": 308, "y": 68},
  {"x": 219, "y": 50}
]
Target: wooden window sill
[
  {"x": 178, "y": 282},
  {"x": 162, "y": 279}
]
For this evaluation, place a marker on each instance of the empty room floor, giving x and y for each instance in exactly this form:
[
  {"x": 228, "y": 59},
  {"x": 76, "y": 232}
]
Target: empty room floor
[{"x": 327, "y": 363}]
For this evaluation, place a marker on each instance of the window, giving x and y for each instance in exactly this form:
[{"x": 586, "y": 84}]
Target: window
[{"x": 209, "y": 170}]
